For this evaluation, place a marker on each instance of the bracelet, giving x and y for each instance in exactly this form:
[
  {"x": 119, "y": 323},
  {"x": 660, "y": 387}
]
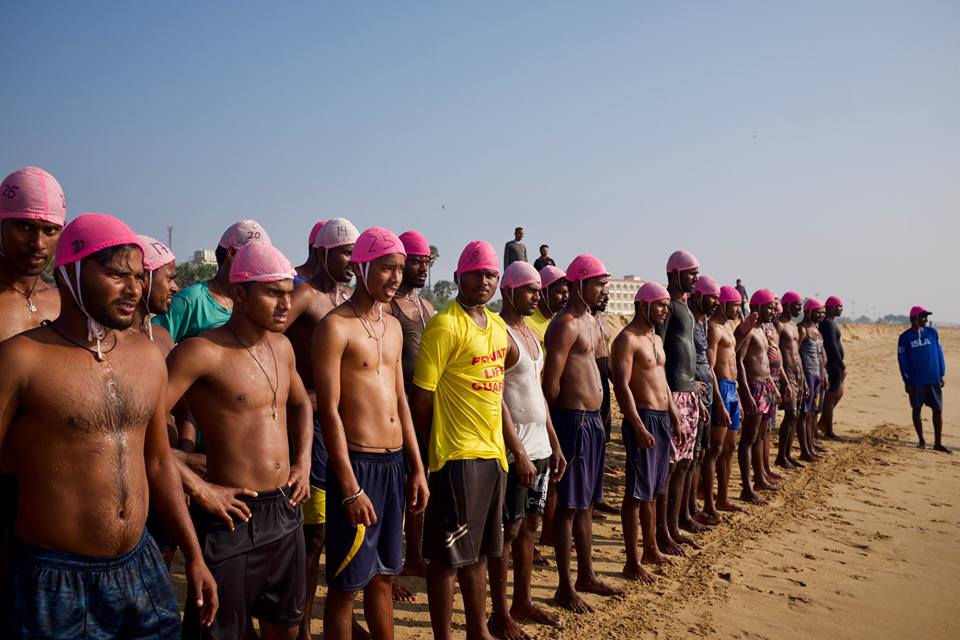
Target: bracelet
[{"x": 352, "y": 498}]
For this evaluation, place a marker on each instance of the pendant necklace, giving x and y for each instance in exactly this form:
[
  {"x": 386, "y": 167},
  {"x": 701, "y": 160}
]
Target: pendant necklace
[
  {"x": 27, "y": 294},
  {"x": 368, "y": 327},
  {"x": 276, "y": 371},
  {"x": 97, "y": 355}
]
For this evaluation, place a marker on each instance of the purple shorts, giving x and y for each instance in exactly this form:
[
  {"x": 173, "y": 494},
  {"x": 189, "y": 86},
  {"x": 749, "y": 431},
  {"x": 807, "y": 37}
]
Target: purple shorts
[
  {"x": 582, "y": 439},
  {"x": 813, "y": 401},
  {"x": 647, "y": 469}
]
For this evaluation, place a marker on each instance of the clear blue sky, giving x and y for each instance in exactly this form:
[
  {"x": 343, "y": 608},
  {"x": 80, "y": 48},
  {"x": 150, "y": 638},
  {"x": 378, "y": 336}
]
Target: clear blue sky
[{"x": 804, "y": 145}]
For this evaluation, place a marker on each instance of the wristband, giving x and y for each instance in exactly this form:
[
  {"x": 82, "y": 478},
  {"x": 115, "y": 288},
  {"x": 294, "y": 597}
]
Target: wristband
[{"x": 352, "y": 498}]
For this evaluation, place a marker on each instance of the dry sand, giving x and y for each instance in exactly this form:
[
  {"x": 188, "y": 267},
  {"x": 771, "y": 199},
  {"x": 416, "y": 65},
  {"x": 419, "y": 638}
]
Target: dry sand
[{"x": 860, "y": 545}]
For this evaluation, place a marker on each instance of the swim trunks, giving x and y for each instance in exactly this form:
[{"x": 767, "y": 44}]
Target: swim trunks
[
  {"x": 688, "y": 409},
  {"x": 764, "y": 394},
  {"x": 647, "y": 469},
  {"x": 57, "y": 594},
  {"x": 315, "y": 508},
  {"x": 464, "y": 518},
  {"x": 355, "y": 556},
  {"x": 582, "y": 440},
  {"x": 520, "y": 501},
  {"x": 834, "y": 376},
  {"x": 260, "y": 566},
  {"x": 814, "y": 399},
  {"x": 731, "y": 402},
  {"x": 926, "y": 394}
]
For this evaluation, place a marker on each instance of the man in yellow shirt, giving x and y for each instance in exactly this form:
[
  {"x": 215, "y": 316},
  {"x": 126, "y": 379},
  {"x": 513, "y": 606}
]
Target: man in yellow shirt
[
  {"x": 457, "y": 405},
  {"x": 554, "y": 292}
]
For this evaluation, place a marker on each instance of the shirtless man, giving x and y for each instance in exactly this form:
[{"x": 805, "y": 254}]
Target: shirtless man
[
  {"x": 703, "y": 303},
  {"x": 771, "y": 331},
  {"x": 758, "y": 395},
  {"x": 836, "y": 368},
  {"x": 793, "y": 384},
  {"x": 413, "y": 312},
  {"x": 311, "y": 301},
  {"x": 534, "y": 435},
  {"x": 571, "y": 384},
  {"x": 677, "y": 334},
  {"x": 309, "y": 268},
  {"x": 649, "y": 416},
  {"x": 32, "y": 214},
  {"x": 554, "y": 292},
  {"x": 812, "y": 359},
  {"x": 457, "y": 404},
  {"x": 606, "y": 414},
  {"x": 370, "y": 437},
  {"x": 242, "y": 385},
  {"x": 84, "y": 419},
  {"x": 722, "y": 355}
]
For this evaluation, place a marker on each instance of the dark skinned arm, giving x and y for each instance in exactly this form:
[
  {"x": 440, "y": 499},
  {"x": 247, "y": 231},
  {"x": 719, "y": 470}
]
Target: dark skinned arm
[
  {"x": 560, "y": 338},
  {"x": 300, "y": 428},
  {"x": 621, "y": 366}
]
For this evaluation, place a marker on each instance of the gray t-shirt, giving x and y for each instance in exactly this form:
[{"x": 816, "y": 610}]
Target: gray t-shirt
[{"x": 514, "y": 251}]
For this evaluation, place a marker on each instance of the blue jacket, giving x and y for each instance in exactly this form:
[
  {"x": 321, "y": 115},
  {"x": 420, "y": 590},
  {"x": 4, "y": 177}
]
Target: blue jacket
[{"x": 921, "y": 357}]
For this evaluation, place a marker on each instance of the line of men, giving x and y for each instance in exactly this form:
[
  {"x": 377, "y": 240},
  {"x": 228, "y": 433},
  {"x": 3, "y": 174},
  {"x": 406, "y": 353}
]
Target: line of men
[{"x": 294, "y": 415}]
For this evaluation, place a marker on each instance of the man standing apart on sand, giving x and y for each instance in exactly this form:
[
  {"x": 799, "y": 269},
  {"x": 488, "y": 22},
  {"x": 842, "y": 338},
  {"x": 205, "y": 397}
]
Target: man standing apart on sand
[
  {"x": 241, "y": 382},
  {"x": 812, "y": 359},
  {"x": 678, "y": 343},
  {"x": 369, "y": 435},
  {"x": 571, "y": 384},
  {"x": 722, "y": 354},
  {"x": 758, "y": 394},
  {"x": 457, "y": 404},
  {"x": 836, "y": 369},
  {"x": 515, "y": 249},
  {"x": 554, "y": 292},
  {"x": 649, "y": 416},
  {"x": 742, "y": 290},
  {"x": 793, "y": 384},
  {"x": 533, "y": 432},
  {"x": 923, "y": 368},
  {"x": 84, "y": 419}
]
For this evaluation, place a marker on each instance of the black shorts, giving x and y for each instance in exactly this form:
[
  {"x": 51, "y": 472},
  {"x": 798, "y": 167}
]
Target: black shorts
[
  {"x": 835, "y": 377},
  {"x": 159, "y": 532},
  {"x": 8, "y": 514},
  {"x": 355, "y": 557},
  {"x": 464, "y": 518},
  {"x": 260, "y": 566},
  {"x": 926, "y": 394},
  {"x": 520, "y": 501}
]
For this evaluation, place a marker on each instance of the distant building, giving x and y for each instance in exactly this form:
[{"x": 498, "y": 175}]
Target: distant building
[
  {"x": 622, "y": 291},
  {"x": 204, "y": 256}
]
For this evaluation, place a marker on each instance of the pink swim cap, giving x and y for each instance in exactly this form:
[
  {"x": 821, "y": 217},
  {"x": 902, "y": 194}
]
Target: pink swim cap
[
  {"x": 917, "y": 310},
  {"x": 260, "y": 262},
  {"x": 681, "y": 260},
  {"x": 651, "y": 292},
  {"x": 790, "y": 297},
  {"x": 240, "y": 233},
  {"x": 313, "y": 232},
  {"x": 155, "y": 253},
  {"x": 706, "y": 286},
  {"x": 476, "y": 256},
  {"x": 584, "y": 267},
  {"x": 812, "y": 304},
  {"x": 762, "y": 297},
  {"x": 520, "y": 274},
  {"x": 92, "y": 232},
  {"x": 374, "y": 243},
  {"x": 730, "y": 294},
  {"x": 550, "y": 274},
  {"x": 833, "y": 301},
  {"x": 336, "y": 232},
  {"x": 415, "y": 243},
  {"x": 32, "y": 194}
]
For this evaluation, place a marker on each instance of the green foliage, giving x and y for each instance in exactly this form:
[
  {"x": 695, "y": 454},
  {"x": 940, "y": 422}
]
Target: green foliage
[
  {"x": 440, "y": 294},
  {"x": 496, "y": 305},
  {"x": 188, "y": 273}
]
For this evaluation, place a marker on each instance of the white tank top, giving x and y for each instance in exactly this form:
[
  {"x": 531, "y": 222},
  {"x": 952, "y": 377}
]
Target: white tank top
[{"x": 524, "y": 398}]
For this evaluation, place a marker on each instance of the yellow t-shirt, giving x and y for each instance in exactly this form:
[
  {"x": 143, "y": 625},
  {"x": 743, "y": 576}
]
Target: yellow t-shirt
[
  {"x": 538, "y": 324},
  {"x": 463, "y": 365}
]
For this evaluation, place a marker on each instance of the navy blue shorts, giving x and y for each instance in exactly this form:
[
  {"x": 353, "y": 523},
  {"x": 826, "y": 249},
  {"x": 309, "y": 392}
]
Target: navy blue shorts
[
  {"x": 319, "y": 457},
  {"x": 57, "y": 594},
  {"x": 731, "y": 402},
  {"x": 814, "y": 401},
  {"x": 380, "y": 552},
  {"x": 582, "y": 440},
  {"x": 647, "y": 469},
  {"x": 926, "y": 394}
]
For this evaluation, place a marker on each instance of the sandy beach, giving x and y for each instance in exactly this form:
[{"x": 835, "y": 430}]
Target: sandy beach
[{"x": 860, "y": 545}]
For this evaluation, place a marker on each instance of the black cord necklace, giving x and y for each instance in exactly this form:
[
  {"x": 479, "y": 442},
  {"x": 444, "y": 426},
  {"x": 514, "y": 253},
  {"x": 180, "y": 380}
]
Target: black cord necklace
[
  {"x": 276, "y": 370},
  {"x": 26, "y": 294},
  {"x": 98, "y": 356}
]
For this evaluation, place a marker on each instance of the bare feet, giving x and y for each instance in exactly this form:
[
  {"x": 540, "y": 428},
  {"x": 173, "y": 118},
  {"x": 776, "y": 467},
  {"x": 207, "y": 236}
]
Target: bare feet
[
  {"x": 691, "y": 525},
  {"x": 708, "y": 519},
  {"x": 529, "y": 612},
  {"x": 796, "y": 463},
  {"x": 774, "y": 476},
  {"x": 505, "y": 628},
  {"x": 762, "y": 485},
  {"x": 572, "y": 601},
  {"x": 597, "y": 516},
  {"x": 638, "y": 573},
  {"x": 402, "y": 593},
  {"x": 654, "y": 557},
  {"x": 605, "y": 507},
  {"x": 751, "y": 497},
  {"x": 921, "y": 445},
  {"x": 416, "y": 570},
  {"x": 679, "y": 538},
  {"x": 357, "y": 632},
  {"x": 538, "y": 559},
  {"x": 727, "y": 506},
  {"x": 596, "y": 586},
  {"x": 667, "y": 546},
  {"x": 783, "y": 463},
  {"x": 941, "y": 448}
]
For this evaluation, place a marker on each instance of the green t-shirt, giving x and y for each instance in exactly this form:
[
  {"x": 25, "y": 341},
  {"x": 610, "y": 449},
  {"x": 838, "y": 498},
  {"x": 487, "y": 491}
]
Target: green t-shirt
[{"x": 192, "y": 312}]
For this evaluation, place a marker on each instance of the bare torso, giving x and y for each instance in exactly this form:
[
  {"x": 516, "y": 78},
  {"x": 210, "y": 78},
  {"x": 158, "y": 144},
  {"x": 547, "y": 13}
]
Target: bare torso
[
  {"x": 725, "y": 366},
  {"x": 308, "y": 306},
  {"x": 790, "y": 349},
  {"x": 648, "y": 378},
  {"x": 77, "y": 442},
  {"x": 756, "y": 362},
  {"x": 15, "y": 315},
  {"x": 580, "y": 387}
]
